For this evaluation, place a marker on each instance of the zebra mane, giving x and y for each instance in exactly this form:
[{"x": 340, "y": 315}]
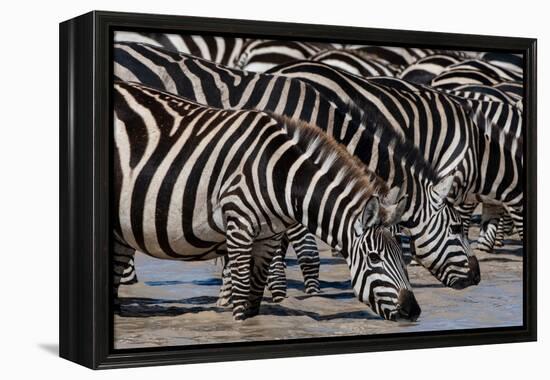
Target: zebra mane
[
  {"x": 404, "y": 150},
  {"x": 332, "y": 156}
]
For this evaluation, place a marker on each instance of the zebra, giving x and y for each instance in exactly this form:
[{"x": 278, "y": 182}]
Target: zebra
[
  {"x": 513, "y": 89},
  {"x": 192, "y": 181},
  {"x": 308, "y": 260},
  {"x": 426, "y": 116},
  {"x": 486, "y": 93},
  {"x": 487, "y": 67},
  {"x": 495, "y": 223},
  {"x": 502, "y": 121},
  {"x": 441, "y": 250},
  {"x": 427, "y": 68},
  {"x": 305, "y": 246},
  {"x": 503, "y": 151},
  {"x": 355, "y": 62},
  {"x": 473, "y": 71},
  {"x": 506, "y": 61},
  {"x": 261, "y": 55},
  {"x": 497, "y": 107},
  {"x": 306, "y": 250},
  {"x": 500, "y": 144},
  {"x": 404, "y": 57},
  {"x": 505, "y": 78},
  {"x": 223, "y": 50}
]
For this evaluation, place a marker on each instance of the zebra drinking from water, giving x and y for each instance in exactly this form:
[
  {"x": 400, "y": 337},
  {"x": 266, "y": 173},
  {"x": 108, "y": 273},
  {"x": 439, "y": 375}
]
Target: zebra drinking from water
[
  {"x": 431, "y": 118},
  {"x": 439, "y": 246},
  {"x": 192, "y": 181}
]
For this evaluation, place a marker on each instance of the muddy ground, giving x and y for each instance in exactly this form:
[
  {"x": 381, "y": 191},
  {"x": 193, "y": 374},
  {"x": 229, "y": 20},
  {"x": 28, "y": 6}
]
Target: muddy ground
[{"x": 175, "y": 303}]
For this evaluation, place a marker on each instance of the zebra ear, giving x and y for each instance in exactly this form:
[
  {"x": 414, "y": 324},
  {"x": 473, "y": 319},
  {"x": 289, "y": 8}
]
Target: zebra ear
[
  {"x": 395, "y": 212},
  {"x": 369, "y": 217},
  {"x": 444, "y": 187}
]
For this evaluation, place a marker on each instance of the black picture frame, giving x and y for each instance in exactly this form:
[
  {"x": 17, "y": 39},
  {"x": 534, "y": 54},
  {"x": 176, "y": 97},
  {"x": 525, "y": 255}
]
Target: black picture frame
[{"x": 85, "y": 146}]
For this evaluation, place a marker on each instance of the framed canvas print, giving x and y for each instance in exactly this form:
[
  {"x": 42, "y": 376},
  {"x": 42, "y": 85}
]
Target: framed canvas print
[{"x": 237, "y": 189}]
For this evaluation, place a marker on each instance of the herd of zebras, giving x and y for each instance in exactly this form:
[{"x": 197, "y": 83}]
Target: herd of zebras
[{"x": 236, "y": 148}]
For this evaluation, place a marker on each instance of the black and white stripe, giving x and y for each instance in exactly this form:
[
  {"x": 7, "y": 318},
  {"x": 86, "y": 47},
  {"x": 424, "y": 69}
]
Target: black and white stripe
[
  {"x": 509, "y": 62},
  {"x": 223, "y": 50},
  {"x": 429, "y": 119},
  {"x": 192, "y": 181},
  {"x": 404, "y": 57},
  {"x": 427, "y": 68},
  {"x": 486, "y": 160},
  {"x": 261, "y": 55},
  {"x": 374, "y": 143},
  {"x": 355, "y": 62},
  {"x": 500, "y": 123},
  {"x": 474, "y": 71}
]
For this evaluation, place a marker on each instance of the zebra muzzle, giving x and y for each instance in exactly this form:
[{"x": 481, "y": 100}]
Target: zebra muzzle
[
  {"x": 408, "y": 308},
  {"x": 474, "y": 275}
]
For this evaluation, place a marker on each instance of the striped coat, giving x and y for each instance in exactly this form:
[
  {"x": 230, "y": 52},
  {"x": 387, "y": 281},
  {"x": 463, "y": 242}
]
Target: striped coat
[
  {"x": 447, "y": 256},
  {"x": 195, "y": 182}
]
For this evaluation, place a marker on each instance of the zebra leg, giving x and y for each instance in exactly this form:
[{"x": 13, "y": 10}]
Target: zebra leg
[
  {"x": 239, "y": 252},
  {"x": 224, "y": 298},
  {"x": 500, "y": 233},
  {"x": 405, "y": 242},
  {"x": 307, "y": 252},
  {"x": 122, "y": 257},
  {"x": 465, "y": 210},
  {"x": 505, "y": 228},
  {"x": 516, "y": 214},
  {"x": 276, "y": 280},
  {"x": 486, "y": 242},
  {"x": 490, "y": 214},
  {"x": 129, "y": 275},
  {"x": 263, "y": 256}
]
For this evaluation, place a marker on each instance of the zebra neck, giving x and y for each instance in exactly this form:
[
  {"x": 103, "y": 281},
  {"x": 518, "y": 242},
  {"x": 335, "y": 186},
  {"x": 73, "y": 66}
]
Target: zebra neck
[
  {"x": 325, "y": 209},
  {"x": 416, "y": 187}
]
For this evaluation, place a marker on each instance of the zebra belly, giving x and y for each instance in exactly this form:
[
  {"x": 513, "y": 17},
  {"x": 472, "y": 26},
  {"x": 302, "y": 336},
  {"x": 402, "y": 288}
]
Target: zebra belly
[{"x": 177, "y": 229}]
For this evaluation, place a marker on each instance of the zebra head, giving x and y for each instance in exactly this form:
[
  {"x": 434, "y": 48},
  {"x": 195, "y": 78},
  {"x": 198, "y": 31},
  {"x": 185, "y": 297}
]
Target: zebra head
[
  {"x": 438, "y": 242},
  {"x": 378, "y": 272}
]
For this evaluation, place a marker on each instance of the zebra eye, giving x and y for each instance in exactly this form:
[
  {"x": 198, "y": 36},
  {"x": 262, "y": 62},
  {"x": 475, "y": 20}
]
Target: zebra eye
[
  {"x": 456, "y": 229},
  {"x": 374, "y": 257}
]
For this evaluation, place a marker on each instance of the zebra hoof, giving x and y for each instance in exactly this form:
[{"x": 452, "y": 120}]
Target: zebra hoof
[
  {"x": 245, "y": 310},
  {"x": 133, "y": 280},
  {"x": 223, "y": 302},
  {"x": 278, "y": 294},
  {"x": 239, "y": 314},
  {"x": 313, "y": 290},
  {"x": 278, "y": 298}
]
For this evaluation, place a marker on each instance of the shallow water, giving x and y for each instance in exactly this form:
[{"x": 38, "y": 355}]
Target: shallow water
[{"x": 175, "y": 304}]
